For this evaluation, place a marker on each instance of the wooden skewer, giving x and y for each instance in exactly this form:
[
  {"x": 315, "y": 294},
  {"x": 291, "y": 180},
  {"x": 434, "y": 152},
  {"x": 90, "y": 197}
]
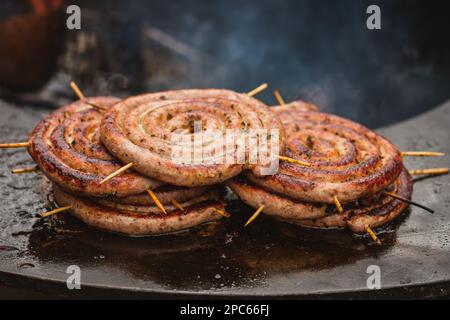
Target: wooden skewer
[
  {"x": 255, "y": 215},
  {"x": 393, "y": 195},
  {"x": 338, "y": 204},
  {"x": 81, "y": 96},
  {"x": 156, "y": 201},
  {"x": 372, "y": 234},
  {"x": 25, "y": 170},
  {"x": 49, "y": 213},
  {"x": 222, "y": 213},
  {"x": 422, "y": 154},
  {"x": 14, "y": 145},
  {"x": 257, "y": 90},
  {"x": 117, "y": 172},
  {"x": 96, "y": 106},
  {"x": 287, "y": 159},
  {"x": 77, "y": 90},
  {"x": 177, "y": 205},
  {"x": 429, "y": 171},
  {"x": 279, "y": 98}
]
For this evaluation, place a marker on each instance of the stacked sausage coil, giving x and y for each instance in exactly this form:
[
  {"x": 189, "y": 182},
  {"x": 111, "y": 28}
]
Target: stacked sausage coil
[
  {"x": 66, "y": 146},
  {"x": 348, "y": 161},
  {"x": 141, "y": 130},
  {"x": 78, "y": 146}
]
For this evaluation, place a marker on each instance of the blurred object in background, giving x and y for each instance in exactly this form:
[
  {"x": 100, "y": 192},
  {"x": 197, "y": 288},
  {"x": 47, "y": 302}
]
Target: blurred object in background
[
  {"x": 172, "y": 63},
  {"x": 320, "y": 51},
  {"x": 104, "y": 57},
  {"x": 31, "y": 33}
]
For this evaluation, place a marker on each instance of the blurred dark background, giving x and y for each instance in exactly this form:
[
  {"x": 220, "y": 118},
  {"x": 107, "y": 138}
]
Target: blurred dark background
[{"x": 319, "y": 51}]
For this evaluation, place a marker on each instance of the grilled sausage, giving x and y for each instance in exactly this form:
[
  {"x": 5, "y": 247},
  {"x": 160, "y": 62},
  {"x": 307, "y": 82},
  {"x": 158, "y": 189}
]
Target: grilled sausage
[
  {"x": 67, "y": 148},
  {"x": 141, "y": 130},
  {"x": 347, "y": 159},
  {"x": 151, "y": 208},
  {"x": 372, "y": 212},
  {"x": 276, "y": 205},
  {"x": 165, "y": 195},
  {"x": 140, "y": 221}
]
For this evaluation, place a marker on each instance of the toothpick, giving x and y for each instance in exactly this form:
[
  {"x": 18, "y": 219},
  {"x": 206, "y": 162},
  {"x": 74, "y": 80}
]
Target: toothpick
[
  {"x": 14, "y": 145},
  {"x": 222, "y": 213},
  {"x": 279, "y": 98},
  {"x": 372, "y": 234},
  {"x": 177, "y": 205},
  {"x": 82, "y": 97},
  {"x": 49, "y": 213},
  {"x": 95, "y": 106},
  {"x": 25, "y": 170},
  {"x": 117, "y": 172},
  {"x": 338, "y": 204},
  {"x": 257, "y": 90},
  {"x": 287, "y": 159},
  {"x": 255, "y": 215},
  {"x": 429, "y": 171},
  {"x": 156, "y": 201},
  {"x": 393, "y": 195},
  {"x": 422, "y": 154},
  {"x": 77, "y": 90}
]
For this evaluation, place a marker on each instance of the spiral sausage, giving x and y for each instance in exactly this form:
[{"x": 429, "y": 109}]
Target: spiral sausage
[
  {"x": 151, "y": 208},
  {"x": 347, "y": 159},
  {"x": 165, "y": 194},
  {"x": 274, "y": 204},
  {"x": 141, "y": 130},
  {"x": 140, "y": 221},
  {"x": 374, "y": 215},
  {"x": 374, "y": 211},
  {"x": 67, "y": 148}
]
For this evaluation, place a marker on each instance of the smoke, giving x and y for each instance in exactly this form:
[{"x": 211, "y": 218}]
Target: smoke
[{"x": 320, "y": 51}]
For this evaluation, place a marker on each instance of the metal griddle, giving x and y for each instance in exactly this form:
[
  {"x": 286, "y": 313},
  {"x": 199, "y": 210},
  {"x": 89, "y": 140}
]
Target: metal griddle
[{"x": 267, "y": 259}]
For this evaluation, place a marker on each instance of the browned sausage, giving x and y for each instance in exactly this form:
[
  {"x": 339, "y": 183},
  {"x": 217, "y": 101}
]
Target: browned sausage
[
  {"x": 144, "y": 220},
  {"x": 165, "y": 195},
  {"x": 140, "y": 129},
  {"x": 375, "y": 213},
  {"x": 347, "y": 159},
  {"x": 66, "y": 146},
  {"x": 274, "y": 204}
]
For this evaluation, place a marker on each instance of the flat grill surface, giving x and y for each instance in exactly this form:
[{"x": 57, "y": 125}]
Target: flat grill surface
[{"x": 268, "y": 258}]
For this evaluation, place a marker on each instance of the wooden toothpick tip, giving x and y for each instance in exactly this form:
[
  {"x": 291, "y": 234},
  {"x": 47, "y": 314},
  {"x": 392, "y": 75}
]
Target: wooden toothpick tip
[
  {"x": 222, "y": 213},
  {"x": 95, "y": 106},
  {"x": 49, "y": 213},
  {"x": 177, "y": 205},
  {"x": 429, "y": 171},
  {"x": 117, "y": 172},
  {"x": 372, "y": 234},
  {"x": 422, "y": 154},
  {"x": 14, "y": 145},
  {"x": 257, "y": 90},
  {"x": 393, "y": 195},
  {"x": 77, "y": 90},
  {"x": 255, "y": 215},
  {"x": 81, "y": 96},
  {"x": 287, "y": 159},
  {"x": 338, "y": 204},
  {"x": 25, "y": 170},
  {"x": 279, "y": 98},
  {"x": 156, "y": 201}
]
